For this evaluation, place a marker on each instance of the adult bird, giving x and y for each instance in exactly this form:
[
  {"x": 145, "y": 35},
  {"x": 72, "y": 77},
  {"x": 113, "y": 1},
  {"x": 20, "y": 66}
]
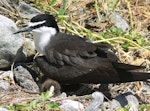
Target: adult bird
[{"x": 70, "y": 59}]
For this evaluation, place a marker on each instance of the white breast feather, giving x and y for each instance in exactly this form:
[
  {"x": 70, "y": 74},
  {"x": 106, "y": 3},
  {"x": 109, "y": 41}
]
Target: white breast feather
[{"x": 42, "y": 38}]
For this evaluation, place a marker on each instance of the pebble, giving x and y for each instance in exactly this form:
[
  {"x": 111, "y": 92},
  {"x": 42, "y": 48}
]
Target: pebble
[
  {"x": 97, "y": 100},
  {"x": 26, "y": 77},
  {"x": 71, "y": 105},
  {"x": 123, "y": 100},
  {"x": 120, "y": 22}
]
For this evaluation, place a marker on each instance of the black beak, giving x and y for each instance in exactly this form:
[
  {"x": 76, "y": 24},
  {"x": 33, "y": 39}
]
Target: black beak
[{"x": 25, "y": 29}]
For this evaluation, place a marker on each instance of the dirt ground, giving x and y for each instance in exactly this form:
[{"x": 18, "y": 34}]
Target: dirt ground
[{"x": 135, "y": 12}]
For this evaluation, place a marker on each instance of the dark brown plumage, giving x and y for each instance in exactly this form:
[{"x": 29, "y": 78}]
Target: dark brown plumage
[
  {"x": 70, "y": 59},
  {"x": 99, "y": 67}
]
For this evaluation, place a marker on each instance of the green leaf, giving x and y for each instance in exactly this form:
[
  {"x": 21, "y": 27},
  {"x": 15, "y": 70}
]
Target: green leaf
[
  {"x": 64, "y": 3},
  {"x": 141, "y": 41},
  {"x": 126, "y": 108},
  {"x": 125, "y": 46},
  {"x": 34, "y": 104},
  {"x": 19, "y": 107},
  {"x": 10, "y": 108},
  {"x": 45, "y": 96},
  {"x": 62, "y": 11},
  {"x": 116, "y": 31},
  {"x": 144, "y": 107},
  {"x": 52, "y": 105},
  {"x": 51, "y": 2}
]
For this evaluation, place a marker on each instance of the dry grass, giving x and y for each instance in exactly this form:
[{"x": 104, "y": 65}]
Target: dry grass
[{"x": 79, "y": 19}]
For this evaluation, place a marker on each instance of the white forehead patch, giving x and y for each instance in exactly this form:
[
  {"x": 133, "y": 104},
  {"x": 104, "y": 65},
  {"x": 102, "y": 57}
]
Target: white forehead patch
[{"x": 31, "y": 24}]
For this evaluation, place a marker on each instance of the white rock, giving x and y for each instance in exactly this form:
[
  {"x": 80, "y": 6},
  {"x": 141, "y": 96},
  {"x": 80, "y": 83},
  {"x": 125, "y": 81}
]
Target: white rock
[
  {"x": 97, "y": 100},
  {"x": 9, "y": 42},
  {"x": 4, "y": 85},
  {"x": 7, "y": 38},
  {"x": 28, "y": 10},
  {"x": 3, "y": 109},
  {"x": 120, "y": 22},
  {"x": 133, "y": 102},
  {"x": 123, "y": 100},
  {"x": 70, "y": 105},
  {"x": 25, "y": 78}
]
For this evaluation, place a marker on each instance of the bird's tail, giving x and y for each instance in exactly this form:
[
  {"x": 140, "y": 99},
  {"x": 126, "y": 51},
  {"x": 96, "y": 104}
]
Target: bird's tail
[
  {"x": 129, "y": 73},
  {"x": 139, "y": 76},
  {"x": 130, "y": 76}
]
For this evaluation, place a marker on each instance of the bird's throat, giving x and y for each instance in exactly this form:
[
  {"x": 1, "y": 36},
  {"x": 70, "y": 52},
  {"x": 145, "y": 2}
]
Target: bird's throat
[
  {"x": 42, "y": 37},
  {"x": 41, "y": 41}
]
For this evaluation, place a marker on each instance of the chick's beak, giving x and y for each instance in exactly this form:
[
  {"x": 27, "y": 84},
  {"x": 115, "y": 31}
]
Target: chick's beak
[{"x": 25, "y": 29}]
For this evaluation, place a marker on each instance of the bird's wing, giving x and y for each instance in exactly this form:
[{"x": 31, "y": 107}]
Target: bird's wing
[
  {"x": 94, "y": 70},
  {"x": 65, "y": 49}
]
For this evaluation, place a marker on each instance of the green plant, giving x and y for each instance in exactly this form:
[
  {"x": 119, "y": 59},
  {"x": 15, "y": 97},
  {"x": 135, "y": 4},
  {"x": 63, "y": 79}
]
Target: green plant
[
  {"x": 126, "y": 108},
  {"x": 144, "y": 107},
  {"x": 40, "y": 104},
  {"x": 52, "y": 106},
  {"x": 18, "y": 107},
  {"x": 62, "y": 11},
  {"x": 52, "y": 2},
  {"x": 111, "y": 35}
]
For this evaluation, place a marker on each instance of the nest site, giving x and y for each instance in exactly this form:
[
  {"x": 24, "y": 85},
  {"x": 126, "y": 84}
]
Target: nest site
[{"x": 93, "y": 19}]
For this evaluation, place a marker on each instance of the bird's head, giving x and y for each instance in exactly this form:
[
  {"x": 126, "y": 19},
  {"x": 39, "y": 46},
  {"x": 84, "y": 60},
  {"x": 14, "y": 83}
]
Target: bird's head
[
  {"x": 42, "y": 27},
  {"x": 41, "y": 24}
]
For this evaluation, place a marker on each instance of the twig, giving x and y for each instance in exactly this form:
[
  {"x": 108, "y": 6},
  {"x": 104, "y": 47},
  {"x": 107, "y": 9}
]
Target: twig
[
  {"x": 130, "y": 12},
  {"x": 2, "y": 8},
  {"x": 97, "y": 10},
  {"x": 120, "y": 38}
]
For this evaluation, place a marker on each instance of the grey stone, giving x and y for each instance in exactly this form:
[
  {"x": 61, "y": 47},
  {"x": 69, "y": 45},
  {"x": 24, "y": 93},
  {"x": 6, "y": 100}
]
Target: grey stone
[
  {"x": 21, "y": 6},
  {"x": 4, "y": 85},
  {"x": 146, "y": 87},
  {"x": 25, "y": 79},
  {"x": 71, "y": 105},
  {"x": 123, "y": 100},
  {"x": 3, "y": 109},
  {"x": 120, "y": 22},
  {"x": 97, "y": 100},
  {"x": 28, "y": 10},
  {"x": 9, "y": 43},
  {"x": 6, "y": 78}
]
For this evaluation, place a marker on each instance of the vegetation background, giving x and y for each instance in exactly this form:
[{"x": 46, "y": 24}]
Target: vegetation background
[{"x": 94, "y": 19}]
